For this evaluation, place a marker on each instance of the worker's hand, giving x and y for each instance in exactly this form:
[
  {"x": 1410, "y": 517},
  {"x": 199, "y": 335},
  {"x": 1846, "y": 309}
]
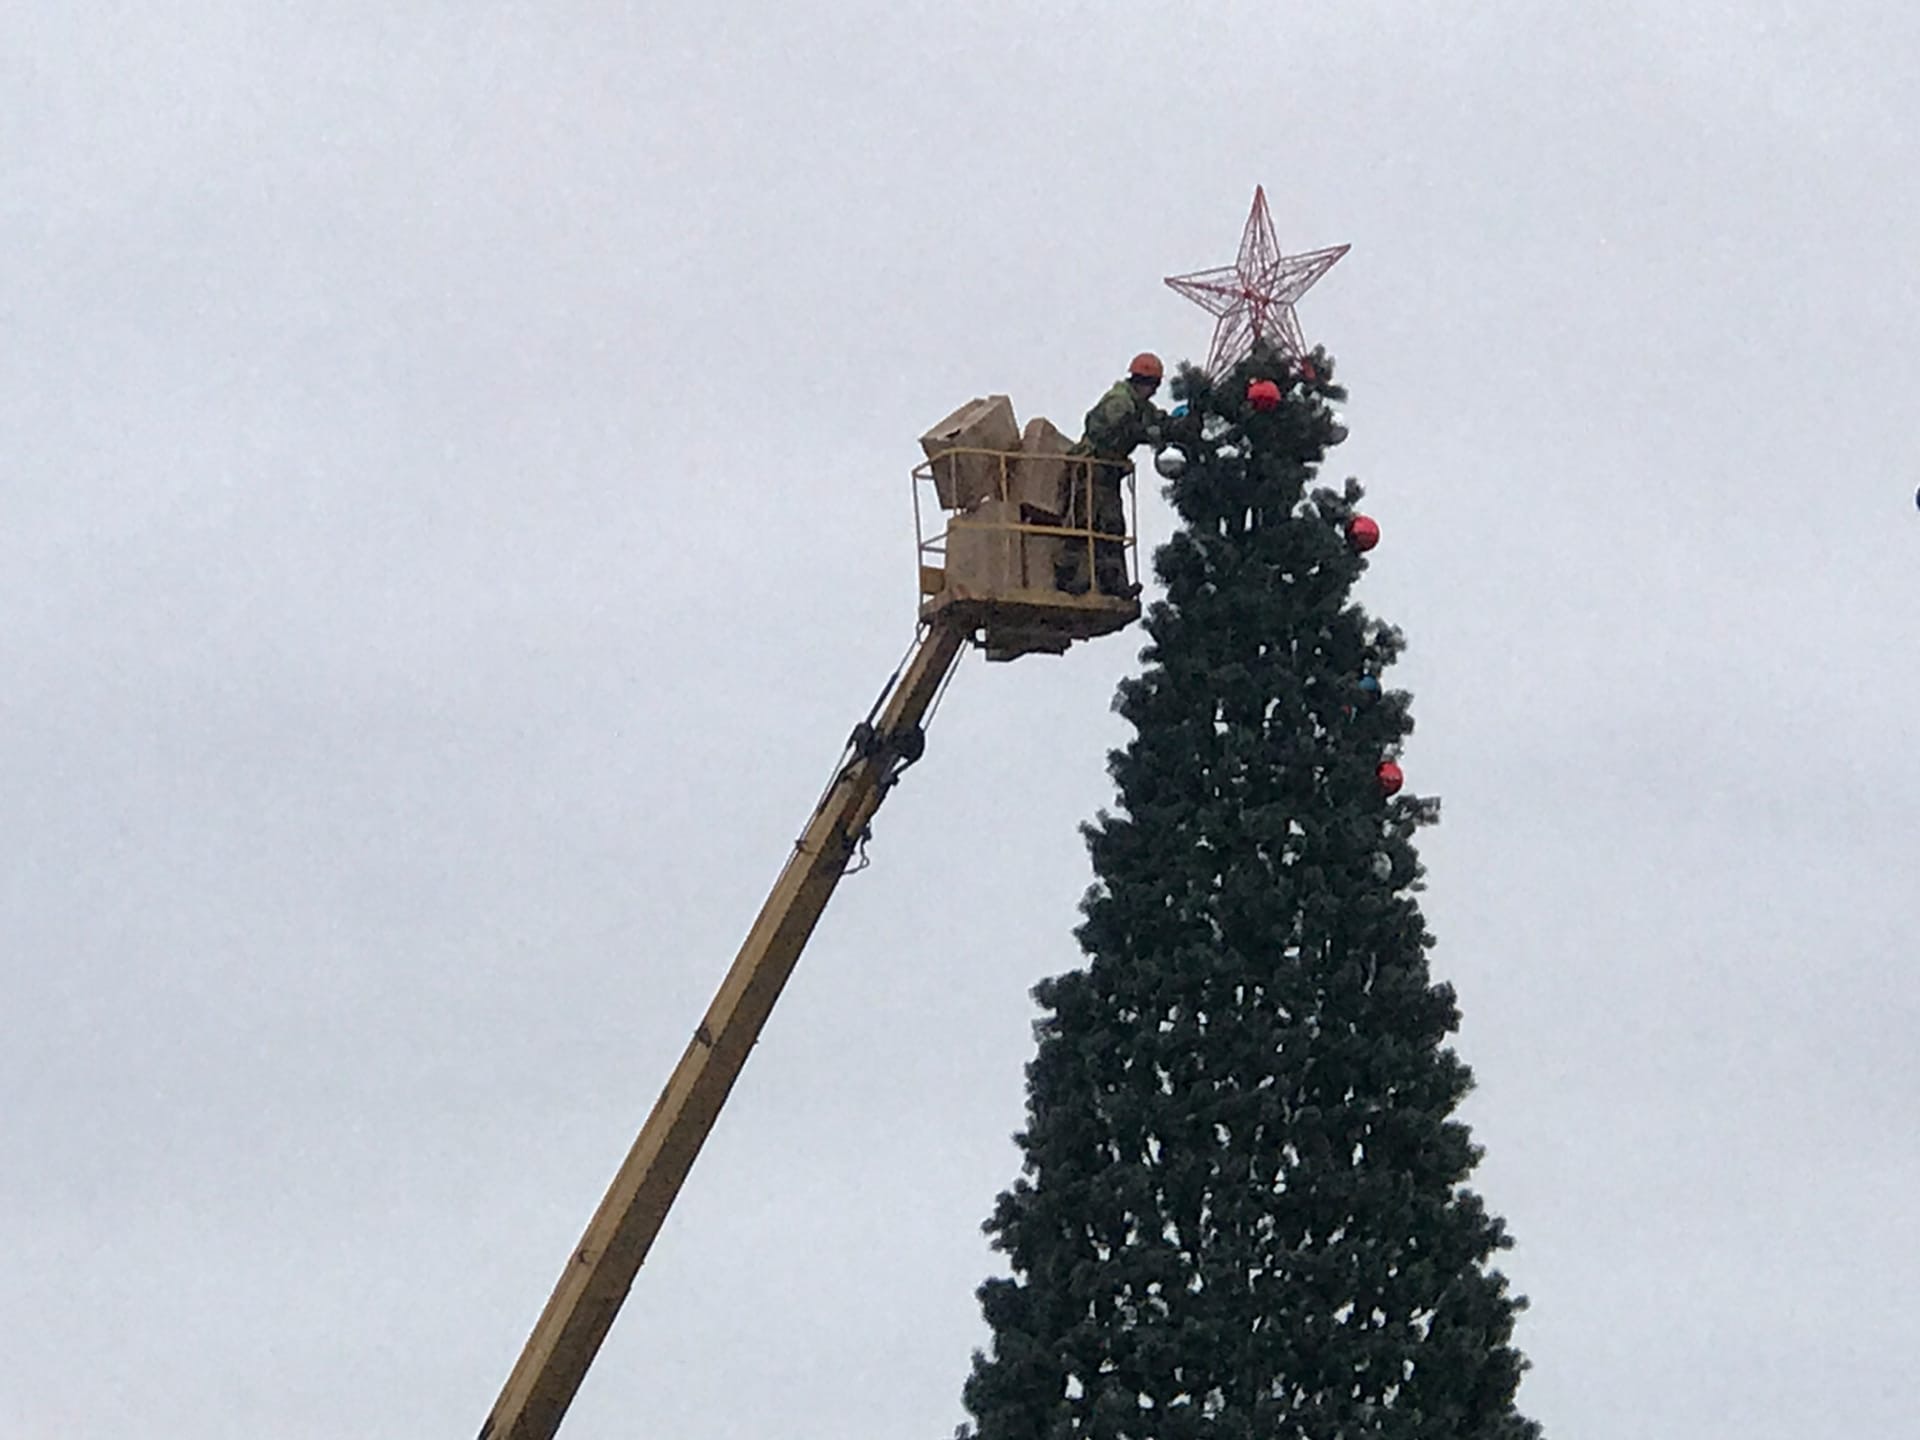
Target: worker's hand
[{"x": 1153, "y": 436}]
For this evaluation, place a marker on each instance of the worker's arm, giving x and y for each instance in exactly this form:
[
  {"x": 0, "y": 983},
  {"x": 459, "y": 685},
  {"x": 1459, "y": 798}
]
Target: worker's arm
[{"x": 1118, "y": 425}]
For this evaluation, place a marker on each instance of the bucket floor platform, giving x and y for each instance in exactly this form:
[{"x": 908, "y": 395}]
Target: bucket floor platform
[{"x": 1017, "y": 622}]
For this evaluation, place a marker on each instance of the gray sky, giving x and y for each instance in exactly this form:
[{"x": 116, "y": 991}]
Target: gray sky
[{"x": 453, "y": 505}]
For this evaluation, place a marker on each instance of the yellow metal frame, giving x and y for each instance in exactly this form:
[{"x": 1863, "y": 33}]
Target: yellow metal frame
[{"x": 932, "y": 549}]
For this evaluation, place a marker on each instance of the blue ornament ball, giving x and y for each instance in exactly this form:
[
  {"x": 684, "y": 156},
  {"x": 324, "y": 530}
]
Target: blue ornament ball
[{"x": 1370, "y": 686}]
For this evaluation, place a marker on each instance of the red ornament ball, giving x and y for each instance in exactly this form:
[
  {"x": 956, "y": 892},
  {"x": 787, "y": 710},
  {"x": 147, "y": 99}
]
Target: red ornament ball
[
  {"x": 1263, "y": 394},
  {"x": 1363, "y": 532},
  {"x": 1391, "y": 778}
]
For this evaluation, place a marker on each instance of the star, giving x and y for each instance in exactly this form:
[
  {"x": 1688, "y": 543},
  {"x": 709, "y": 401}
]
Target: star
[{"x": 1254, "y": 296}]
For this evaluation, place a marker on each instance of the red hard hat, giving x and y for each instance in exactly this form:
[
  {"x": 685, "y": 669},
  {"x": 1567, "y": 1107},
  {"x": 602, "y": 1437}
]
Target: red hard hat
[{"x": 1146, "y": 365}]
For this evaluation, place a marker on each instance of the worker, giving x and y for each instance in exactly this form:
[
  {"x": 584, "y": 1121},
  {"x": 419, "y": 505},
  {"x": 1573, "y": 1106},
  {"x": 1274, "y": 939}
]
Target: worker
[{"x": 1125, "y": 419}]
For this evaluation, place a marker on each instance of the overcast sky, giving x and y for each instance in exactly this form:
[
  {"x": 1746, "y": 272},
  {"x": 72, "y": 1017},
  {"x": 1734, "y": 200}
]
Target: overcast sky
[{"x": 453, "y": 504}]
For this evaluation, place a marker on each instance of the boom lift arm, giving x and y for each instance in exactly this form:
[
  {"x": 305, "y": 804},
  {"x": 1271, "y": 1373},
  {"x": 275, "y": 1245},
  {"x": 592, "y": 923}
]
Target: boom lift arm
[{"x": 601, "y": 1270}]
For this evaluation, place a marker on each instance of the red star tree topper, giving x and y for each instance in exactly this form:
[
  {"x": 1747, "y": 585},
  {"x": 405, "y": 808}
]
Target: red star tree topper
[{"x": 1254, "y": 296}]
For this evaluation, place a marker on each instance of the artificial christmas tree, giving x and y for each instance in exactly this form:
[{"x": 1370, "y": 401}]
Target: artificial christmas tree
[{"x": 1243, "y": 1212}]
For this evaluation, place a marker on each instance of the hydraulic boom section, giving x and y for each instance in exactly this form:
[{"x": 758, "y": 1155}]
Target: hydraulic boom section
[{"x": 602, "y": 1268}]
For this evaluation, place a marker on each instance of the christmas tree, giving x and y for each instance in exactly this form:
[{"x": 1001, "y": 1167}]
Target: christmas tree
[{"x": 1244, "y": 1212}]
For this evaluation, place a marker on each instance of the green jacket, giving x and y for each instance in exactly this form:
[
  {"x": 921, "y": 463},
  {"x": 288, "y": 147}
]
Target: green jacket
[{"x": 1117, "y": 426}]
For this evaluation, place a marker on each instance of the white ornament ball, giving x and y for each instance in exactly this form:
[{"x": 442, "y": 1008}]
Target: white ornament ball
[
  {"x": 1171, "y": 462},
  {"x": 1382, "y": 865}
]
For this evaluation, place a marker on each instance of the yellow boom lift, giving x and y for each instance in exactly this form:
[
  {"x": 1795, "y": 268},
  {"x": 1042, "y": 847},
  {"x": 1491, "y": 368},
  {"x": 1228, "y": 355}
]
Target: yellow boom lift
[{"x": 986, "y": 578}]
